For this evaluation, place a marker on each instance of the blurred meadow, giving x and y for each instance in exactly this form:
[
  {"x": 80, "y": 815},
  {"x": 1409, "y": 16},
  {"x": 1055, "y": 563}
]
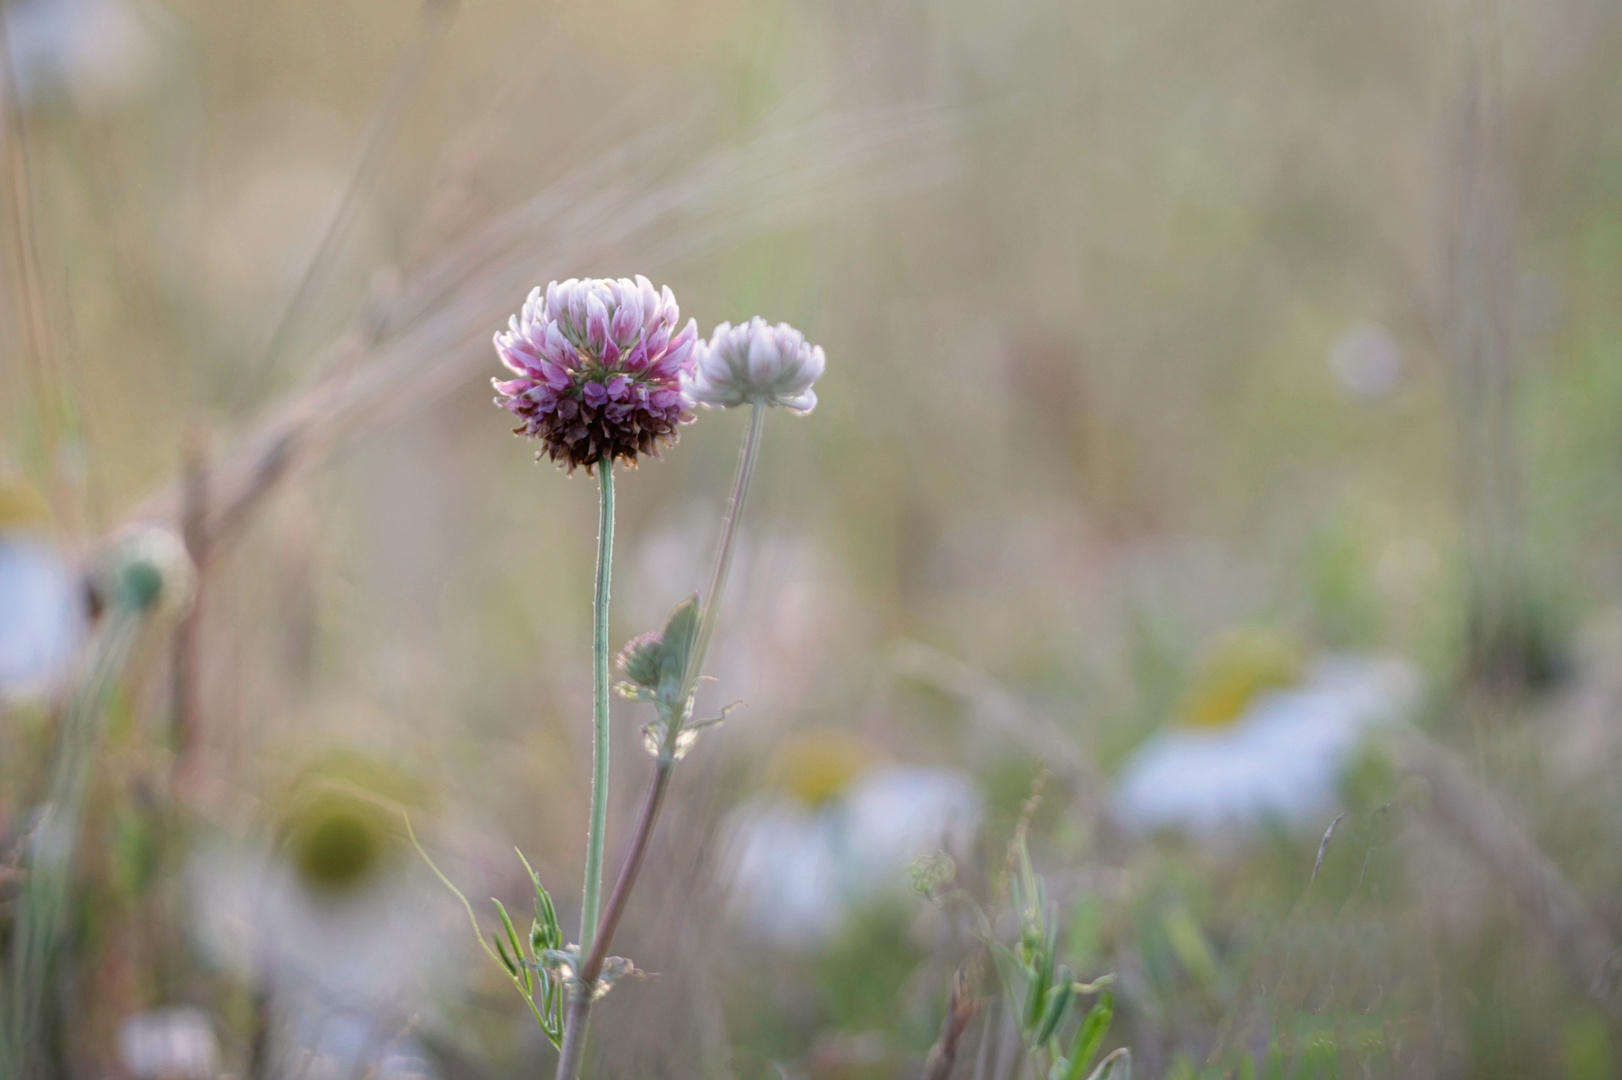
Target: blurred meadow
[{"x": 1221, "y": 438}]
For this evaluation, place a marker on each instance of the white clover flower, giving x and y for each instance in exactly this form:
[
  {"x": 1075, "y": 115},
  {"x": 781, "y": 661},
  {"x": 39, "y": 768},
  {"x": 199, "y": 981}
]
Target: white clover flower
[{"x": 756, "y": 363}]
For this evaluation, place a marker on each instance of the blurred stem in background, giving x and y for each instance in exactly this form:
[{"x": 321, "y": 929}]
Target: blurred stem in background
[
  {"x": 725, "y": 547},
  {"x": 54, "y": 837},
  {"x": 1502, "y": 652},
  {"x": 56, "y": 414},
  {"x": 375, "y": 141},
  {"x": 591, "y": 897},
  {"x": 187, "y": 666},
  {"x": 50, "y": 850}
]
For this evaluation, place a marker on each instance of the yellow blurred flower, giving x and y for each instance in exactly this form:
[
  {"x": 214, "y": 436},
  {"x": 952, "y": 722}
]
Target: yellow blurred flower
[
  {"x": 816, "y": 766},
  {"x": 1236, "y": 667}
]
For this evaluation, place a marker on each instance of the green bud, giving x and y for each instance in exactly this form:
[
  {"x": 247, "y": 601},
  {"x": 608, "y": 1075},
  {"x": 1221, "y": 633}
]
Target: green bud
[
  {"x": 657, "y": 662},
  {"x": 140, "y": 585},
  {"x": 642, "y": 659},
  {"x": 146, "y": 570},
  {"x": 929, "y": 873}
]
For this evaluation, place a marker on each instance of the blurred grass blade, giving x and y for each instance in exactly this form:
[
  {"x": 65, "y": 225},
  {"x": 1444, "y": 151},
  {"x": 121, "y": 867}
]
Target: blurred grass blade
[{"x": 53, "y": 843}]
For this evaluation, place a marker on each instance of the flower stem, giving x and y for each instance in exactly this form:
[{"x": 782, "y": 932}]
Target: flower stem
[
  {"x": 598, "y": 828},
  {"x": 595, "y": 948},
  {"x": 574, "y": 1032},
  {"x": 711, "y": 597}
]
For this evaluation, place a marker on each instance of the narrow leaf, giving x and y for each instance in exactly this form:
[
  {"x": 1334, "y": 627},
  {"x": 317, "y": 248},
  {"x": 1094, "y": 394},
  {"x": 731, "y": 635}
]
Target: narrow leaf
[
  {"x": 1058, "y": 999},
  {"x": 1090, "y": 1035},
  {"x": 506, "y": 960},
  {"x": 1107, "y": 1068}
]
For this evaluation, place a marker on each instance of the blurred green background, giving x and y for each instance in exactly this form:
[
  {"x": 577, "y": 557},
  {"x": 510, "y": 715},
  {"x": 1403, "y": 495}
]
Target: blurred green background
[{"x": 1144, "y": 321}]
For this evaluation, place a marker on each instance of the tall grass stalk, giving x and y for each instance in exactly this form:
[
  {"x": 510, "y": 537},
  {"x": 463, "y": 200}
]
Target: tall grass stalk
[{"x": 443, "y": 309}]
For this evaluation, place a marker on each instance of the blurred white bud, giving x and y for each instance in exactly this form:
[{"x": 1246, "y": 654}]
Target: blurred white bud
[{"x": 756, "y": 363}]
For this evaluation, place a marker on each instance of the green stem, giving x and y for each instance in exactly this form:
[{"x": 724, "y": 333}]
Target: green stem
[
  {"x": 579, "y": 1017},
  {"x": 594, "y": 951},
  {"x": 591, "y": 898},
  {"x": 43, "y": 903},
  {"x": 711, "y": 597}
]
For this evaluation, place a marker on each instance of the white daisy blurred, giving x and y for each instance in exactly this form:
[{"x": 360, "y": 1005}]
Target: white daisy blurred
[
  {"x": 1258, "y": 750},
  {"x": 169, "y": 1044},
  {"x": 836, "y": 834},
  {"x": 43, "y": 616},
  {"x": 94, "y": 51},
  {"x": 332, "y": 927}
]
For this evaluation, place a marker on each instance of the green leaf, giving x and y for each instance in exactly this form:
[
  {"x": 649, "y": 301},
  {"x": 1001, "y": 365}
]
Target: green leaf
[
  {"x": 1008, "y": 967},
  {"x": 1035, "y": 1000},
  {"x": 506, "y": 961},
  {"x": 1058, "y": 999},
  {"x": 656, "y": 664},
  {"x": 681, "y": 629},
  {"x": 1090, "y": 1035},
  {"x": 1042, "y": 941},
  {"x": 478, "y": 935},
  {"x": 512, "y": 939},
  {"x": 1189, "y": 945},
  {"x": 1050, "y": 943},
  {"x": 546, "y": 916}
]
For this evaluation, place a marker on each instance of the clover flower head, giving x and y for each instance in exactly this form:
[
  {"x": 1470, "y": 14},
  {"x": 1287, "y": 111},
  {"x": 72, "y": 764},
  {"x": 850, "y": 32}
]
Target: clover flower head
[
  {"x": 756, "y": 363},
  {"x": 599, "y": 363}
]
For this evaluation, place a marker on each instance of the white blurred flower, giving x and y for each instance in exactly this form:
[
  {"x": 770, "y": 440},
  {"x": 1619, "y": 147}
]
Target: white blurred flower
[
  {"x": 800, "y": 860},
  {"x": 42, "y": 618},
  {"x": 756, "y": 363},
  {"x": 1278, "y": 760},
  {"x": 43, "y": 609},
  {"x": 95, "y": 51},
  {"x": 332, "y": 926},
  {"x": 169, "y": 1044},
  {"x": 1367, "y": 361}
]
